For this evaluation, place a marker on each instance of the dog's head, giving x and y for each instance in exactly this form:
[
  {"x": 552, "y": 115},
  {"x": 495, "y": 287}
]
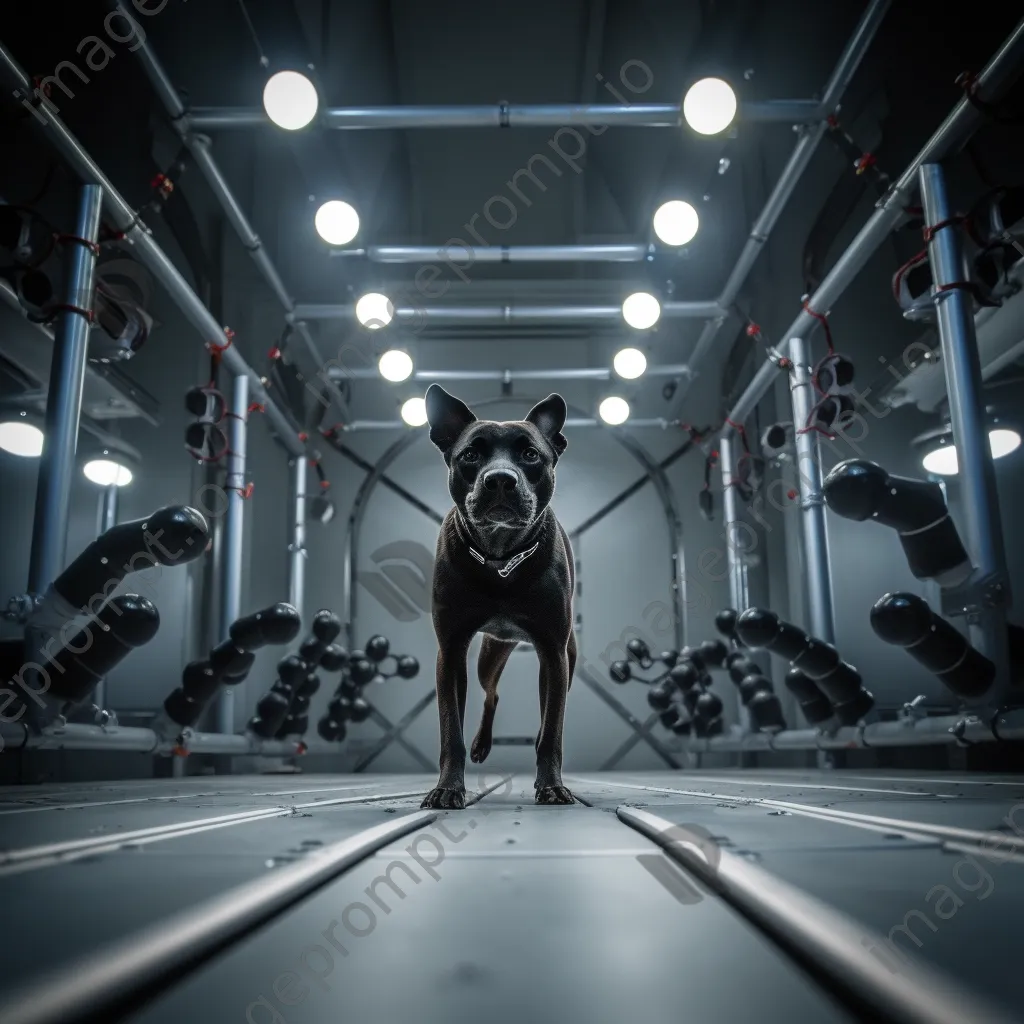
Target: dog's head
[{"x": 500, "y": 475}]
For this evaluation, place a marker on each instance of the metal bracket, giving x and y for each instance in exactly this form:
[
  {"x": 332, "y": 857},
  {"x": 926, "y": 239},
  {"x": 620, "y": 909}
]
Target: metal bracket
[
  {"x": 915, "y": 710},
  {"x": 974, "y": 598},
  {"x": 20, "y": 607}
]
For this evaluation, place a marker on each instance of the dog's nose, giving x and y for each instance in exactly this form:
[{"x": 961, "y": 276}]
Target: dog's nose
[{"x": 503, "y": 480}]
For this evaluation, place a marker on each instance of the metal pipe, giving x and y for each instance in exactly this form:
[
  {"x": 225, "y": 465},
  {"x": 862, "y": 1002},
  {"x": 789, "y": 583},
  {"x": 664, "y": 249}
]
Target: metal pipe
[
  {"x": 233, "y": 537},
  {"x": 139, "y": 238},
  {"x": 983, "y": 528},
  {"x": 509, "y": 115},
  {"x": 64, "y": 399},
  {"x": 297, "y": 546},
  {"x": 199, "y": 147},
  {"x": 107, "y": 520},
  {"x": 506, "y": 253},
  {"x": 944, "y": 730},
  {"x": 574, "y": 373},
  {"x": 845, "y": 68},
  {"x": 816, "y": 564},
  {"x": 979, "y": 499},
  {"x": 357, "y": 426},
  {"x": 1001, "y": 71},
  {"x": 731, "y": 517},
  {"x": 507, "y": 313}
]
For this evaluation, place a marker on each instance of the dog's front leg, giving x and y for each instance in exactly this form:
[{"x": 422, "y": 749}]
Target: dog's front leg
[
  {"x": 450, "y": 791},
  {"x": 554, "y": 687}
]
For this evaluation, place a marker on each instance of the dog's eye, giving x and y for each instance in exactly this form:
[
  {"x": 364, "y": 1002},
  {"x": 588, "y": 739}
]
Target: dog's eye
[
  {"x": 531, "y": 455},
  {"x": 470, "y": 455}
]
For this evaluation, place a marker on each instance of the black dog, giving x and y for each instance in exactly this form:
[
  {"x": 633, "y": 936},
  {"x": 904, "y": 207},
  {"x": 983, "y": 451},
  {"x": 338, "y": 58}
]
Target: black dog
[{"x": 504, "y": 568}]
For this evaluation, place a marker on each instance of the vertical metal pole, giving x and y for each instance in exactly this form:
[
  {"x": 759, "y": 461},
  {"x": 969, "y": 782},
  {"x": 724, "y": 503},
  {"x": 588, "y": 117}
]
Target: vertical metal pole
[
  {"x": 816, "y": 566},
  {"x": 107, "y": 519},
  {"x": 234, "y": 525},
  {"x": 976, "y": 476},
  {"x": 297, "y": 547},
  {"x": 738, "y": 598},
  {"x": 733, "y": 552},
  {"x": 108, "y": 509},
  {"x": 64, "y": 399}
]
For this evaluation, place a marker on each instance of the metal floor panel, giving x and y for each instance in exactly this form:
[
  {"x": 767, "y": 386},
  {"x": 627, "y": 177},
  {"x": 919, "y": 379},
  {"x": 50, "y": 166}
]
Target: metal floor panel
[
  {"x": 505, "y": 939},
  {"x": 111, "y": 818},
  {"x": 539, "y": 912},
  {"x": 109, "y": 895}
]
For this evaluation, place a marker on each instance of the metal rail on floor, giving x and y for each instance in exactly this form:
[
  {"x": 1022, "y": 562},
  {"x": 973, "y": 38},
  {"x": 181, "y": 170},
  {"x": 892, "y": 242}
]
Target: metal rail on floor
[
  {"x": 118, "y": 978},
  {"x": 833, "y": 947}
]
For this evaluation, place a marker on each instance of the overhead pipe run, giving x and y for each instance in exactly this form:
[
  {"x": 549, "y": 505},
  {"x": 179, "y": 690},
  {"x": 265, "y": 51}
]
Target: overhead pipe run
[
  {"x": 1000, "y": 72},
  {"x": 507, "y": 313},
  {"x": 798, "y": 161},
  {"x": 199, "y": 147},
  {"x": 138, "y": 236},
  {"x": 507, "y": 253},
  {"x": 362, "y": 425},
  {"x": 511, "y": 115},
  {"x": 508, "y": 376}
]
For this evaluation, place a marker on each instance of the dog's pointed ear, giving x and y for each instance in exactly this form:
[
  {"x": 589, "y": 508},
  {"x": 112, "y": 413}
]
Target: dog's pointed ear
[
  {"x": 447, "y": 416},
  {"x": 549, "y": 418}
]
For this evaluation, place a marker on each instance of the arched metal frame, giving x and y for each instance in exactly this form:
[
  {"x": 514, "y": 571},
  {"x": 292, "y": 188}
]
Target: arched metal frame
[{"x": 657, "y": 475}]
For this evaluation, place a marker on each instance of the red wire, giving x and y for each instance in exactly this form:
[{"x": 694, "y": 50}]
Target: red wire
[{"x": 824, "y": 323}]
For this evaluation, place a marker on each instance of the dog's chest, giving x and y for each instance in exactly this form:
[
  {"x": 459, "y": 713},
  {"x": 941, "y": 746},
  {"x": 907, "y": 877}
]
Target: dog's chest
[{"x": 505, "y": 627}]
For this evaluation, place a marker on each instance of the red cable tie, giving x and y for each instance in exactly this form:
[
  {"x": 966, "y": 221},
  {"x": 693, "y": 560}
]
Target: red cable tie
[
  {"x": 246, "y": 492},
  {"x": 218, "y": 350},
  {"x": 738, "y": 427},
  {"x": 753, "y": 330},
  {"x": 65, "y": 307},
  {"x": 162, "y": 184},
  {"x": 832, "y": 120},
  {"x": 325, "y": 484},
  {"x": 93, "y": 247},
  {"x": 791, "y": 494},
  {"x": 303, "y": 437},
  {"x": 866, "y": 161},
  {"x": 257, "y": 407},
  {"x": 274, "y": 353}
]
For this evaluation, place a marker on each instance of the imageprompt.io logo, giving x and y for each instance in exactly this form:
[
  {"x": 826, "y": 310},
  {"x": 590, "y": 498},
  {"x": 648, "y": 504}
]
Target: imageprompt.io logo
[
  {"x": 403, "y": 583},
  {"x": 700, "y": 852}
]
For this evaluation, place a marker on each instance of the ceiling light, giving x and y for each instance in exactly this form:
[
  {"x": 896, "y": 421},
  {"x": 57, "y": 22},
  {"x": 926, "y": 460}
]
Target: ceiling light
[
  {"x": 337, "y": 222},
  {"x": 395, "y": 365},
  {"x": 641, "y": 310},
  {"x": 374, "y": 311},
  {"x": 709, "y": 106},
  {"x": 676, "y": 222},
  {"x": 106, "y": 473},
  {"x": 290, "y": 100},
  {"x": 614, "y": 410},
  {"x": 942, "y": 461},
  {"x": 630, "y": 363},
  {"x": 20, "y": 438},
  {"x": 414, "y": 412}
]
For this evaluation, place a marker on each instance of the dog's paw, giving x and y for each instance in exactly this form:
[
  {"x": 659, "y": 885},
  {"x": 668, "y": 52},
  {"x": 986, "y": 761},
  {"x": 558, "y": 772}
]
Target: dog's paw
[
  {"x": 480, "y": 749},
  {"x": 445, "y": 799},
  {"x": 554, "y": 795}
]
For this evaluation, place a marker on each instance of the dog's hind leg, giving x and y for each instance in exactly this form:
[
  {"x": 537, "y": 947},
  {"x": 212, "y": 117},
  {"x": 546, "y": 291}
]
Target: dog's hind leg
[
  {"x": 570, "y": 650},
  {"x": 493, "y": 656}
]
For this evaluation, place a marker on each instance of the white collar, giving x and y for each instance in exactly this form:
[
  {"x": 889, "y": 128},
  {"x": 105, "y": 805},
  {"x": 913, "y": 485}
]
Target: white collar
[{"x": 506, "y": 569}]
